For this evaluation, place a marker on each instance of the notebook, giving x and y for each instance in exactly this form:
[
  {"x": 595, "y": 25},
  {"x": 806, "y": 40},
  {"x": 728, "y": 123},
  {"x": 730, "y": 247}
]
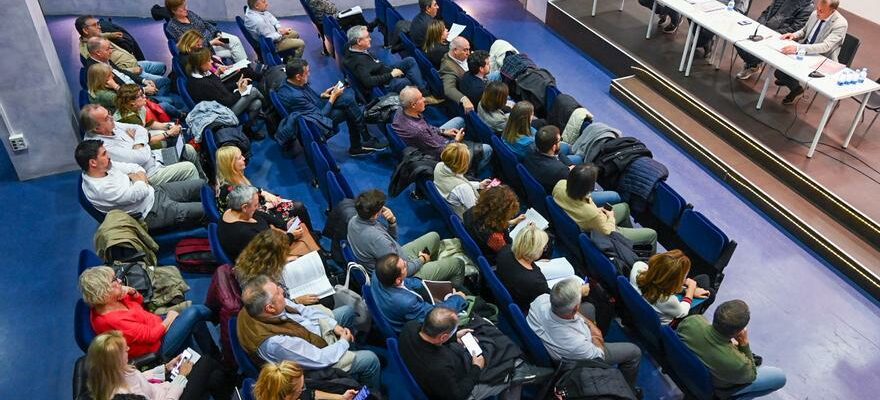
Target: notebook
[
  {"x": 555, "y": 270},
  {"x": 306, "y": 275},
  {"x": 532, "y": 216},
  {"x": 232, "y": 69}
]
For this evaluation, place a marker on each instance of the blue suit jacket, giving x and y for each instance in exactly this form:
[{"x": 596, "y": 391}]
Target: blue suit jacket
[
  {"x": 400, "y": 306},
  {"x": 303, "y": 100}
]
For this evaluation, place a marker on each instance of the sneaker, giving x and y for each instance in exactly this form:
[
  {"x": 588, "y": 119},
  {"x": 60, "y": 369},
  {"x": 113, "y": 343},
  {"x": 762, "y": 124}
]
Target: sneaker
[
  {"x": 431, "y": 100},
  {"x": 662, "y": 20},
  {"x": 357, "y": 152},
  {"x": 672, "y": 27},
  {"x": 374, "y": 144},
  {"x": 746, "y": 73},
  {"x": 793, "y": 96}
]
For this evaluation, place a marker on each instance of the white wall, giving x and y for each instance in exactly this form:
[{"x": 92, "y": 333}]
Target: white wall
[{"x": 867, "y": 9}]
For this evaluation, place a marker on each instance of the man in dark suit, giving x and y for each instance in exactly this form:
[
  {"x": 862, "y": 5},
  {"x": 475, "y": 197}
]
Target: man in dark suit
[
  {"x": 783, "y": 16},
  {"x": 327, "y": 109},
  {"x": 418, "y": 29},
  {"x": 473, "y": 83},
  {"x": 452, "y": 67}
]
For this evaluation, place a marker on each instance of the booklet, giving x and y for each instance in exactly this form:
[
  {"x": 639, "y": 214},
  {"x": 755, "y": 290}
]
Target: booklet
[
  {"x": 306, "y": 275},
  {"x": 454, "y": 32},
  {"x": 232, "y": 69},
  {"x": 532, "y": 216},
  {"x": 188, "y": 354},
  {"x": 351, "y": 11},
  {"x": 438, "y": 290},
  {"x": 555, "y": 270}
]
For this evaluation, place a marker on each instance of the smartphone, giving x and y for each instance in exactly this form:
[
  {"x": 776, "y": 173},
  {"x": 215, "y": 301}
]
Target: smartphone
[
  {"x": 186, "y": 355},
  {"x": 744, "y": 22},
  {"x": 224, "y": 40},
  {"x": 494, "y": 182},
  {"x": 362, "y": 394},
  {"x": 470, "y": 343},
  {"x": 340, "y": 85},
  {"x": 608, "y": 207}
]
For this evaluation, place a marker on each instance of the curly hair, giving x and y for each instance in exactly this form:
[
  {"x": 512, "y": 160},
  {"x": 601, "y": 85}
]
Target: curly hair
[
  {"x": 125, "y": 97},
  {"x": 266, "y": 254},
  {"x": 496, "y": 207},
  {"x": 665, "y": 275}
]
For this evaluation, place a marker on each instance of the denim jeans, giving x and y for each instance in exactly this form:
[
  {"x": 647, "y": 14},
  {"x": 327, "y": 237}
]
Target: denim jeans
[
  {"x": 769, "y": 380},
  {"x": 152, "y": 70},
  {"x": 411, "y": 76},
  {"x": 366, "y": 370},
  {"x": 565, "y": 148},
  {"x": 190, "y": 322},
  {"x": 344, "y": 316},
  {"x": 603, "y": 197}
]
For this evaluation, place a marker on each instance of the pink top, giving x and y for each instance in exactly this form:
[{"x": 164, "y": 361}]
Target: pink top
[{"x": 136, "y": 383}]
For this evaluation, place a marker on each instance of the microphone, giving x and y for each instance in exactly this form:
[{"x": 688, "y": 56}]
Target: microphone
[
  {"x": 755, "y": 37},
  {"x": 816, "y": 73}
]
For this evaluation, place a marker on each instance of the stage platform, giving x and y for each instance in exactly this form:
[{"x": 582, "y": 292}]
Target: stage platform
[{"x": 828, "y": 201}]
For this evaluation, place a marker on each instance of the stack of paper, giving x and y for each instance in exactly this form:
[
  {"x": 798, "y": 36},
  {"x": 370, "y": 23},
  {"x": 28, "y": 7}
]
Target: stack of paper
[
  {"x": 532, "y": 216},
  {"x": 454, "y": 32},
  {"x": 555, "y": 270}
]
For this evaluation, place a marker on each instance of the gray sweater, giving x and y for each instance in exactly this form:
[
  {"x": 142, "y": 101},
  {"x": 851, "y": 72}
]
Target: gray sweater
[{"x": 370, "y": 240}]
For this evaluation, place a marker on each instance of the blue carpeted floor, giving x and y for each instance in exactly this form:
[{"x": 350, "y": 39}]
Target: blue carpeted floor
[{"x": 805, "y": 318}]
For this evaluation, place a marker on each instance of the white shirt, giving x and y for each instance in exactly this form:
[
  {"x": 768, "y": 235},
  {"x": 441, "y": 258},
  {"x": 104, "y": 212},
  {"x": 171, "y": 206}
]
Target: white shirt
[
  {"x": 462, "y": 64},
  {"x": 568, "y": 339},
  {"x": 262, "y": 23},
  {"x": 280, "y": 347},
  {"x": 117, "y": 191},
  {"x": 121, "y": 146}
]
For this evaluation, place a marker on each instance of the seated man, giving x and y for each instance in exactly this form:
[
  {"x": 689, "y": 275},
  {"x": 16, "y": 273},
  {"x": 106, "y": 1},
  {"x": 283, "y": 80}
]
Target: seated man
[
  {"x": 473, "y": 83},
  {"x": 452, "y": 67},
  {"x": 123, "y": 186},
  {"x": 88, "y": 27},
  {"x": 444, "y": 369},
  {"x": 298, "y": 97},
  {"x": 415, "y": 131},
  {"x": 549, "y": 166},
  {"x": 260, "y": 22},
  {"x": 567, "y": 334},
  {"x": 402, "y": 299},
  {"x": 370, "y": 240},
  {"x": 276, "y": 329},
  {"x": 131, "y": 143},
  {"x": 418, "y": 29},
  {"x": 723, "y": 346},
  {"x": 823, "y": 34},
  {"x": 783, "y": 16},
  {"x": 371, "y": 72}
]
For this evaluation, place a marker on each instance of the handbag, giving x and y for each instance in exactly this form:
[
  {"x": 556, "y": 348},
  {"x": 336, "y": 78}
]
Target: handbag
[
  {"x": 346, "y": 296},
  {"x": 135, "y": 275}
]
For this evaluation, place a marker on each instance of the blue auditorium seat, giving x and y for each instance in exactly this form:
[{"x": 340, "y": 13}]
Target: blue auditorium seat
[
  {"x": 534, "y": 347},
  {"x": 598, "y": 264},
  {"x": 534, "y": 191},
  {"x": 685, "y": 367},
  {"x": 209, "y": 204},
  {"x": 378, "y": 317},
  {"x": 216, "y": 248},
  {"x": 705, "y": 239},
  {"x": 88, "y": 259},
  {"x": 643, "y": 317},
  {"x": 467, "y": 241},
  {"x": 410, "y": 386},
  {"x": 438, "y": 201},
  {"x": 245, "y": 365}
]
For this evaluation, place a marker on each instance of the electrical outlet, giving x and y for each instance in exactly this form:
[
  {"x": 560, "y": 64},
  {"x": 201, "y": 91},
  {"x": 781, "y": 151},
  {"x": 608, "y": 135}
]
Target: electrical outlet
[{"x": 17, "y": 141}]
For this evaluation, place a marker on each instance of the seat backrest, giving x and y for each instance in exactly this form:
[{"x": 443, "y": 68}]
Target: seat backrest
[
  {"x": 86, "y": 204},
  {"x": 644, "y": 317},
  {"x": 392, "y": 17},
  {"x": 276, "y": 102},
  {"x": 321, "y": 168},
  {"x": 848, "y": 50},
  {"x": 533, "y": 344},
  {"x": 82, "y": 325},
  {"x": 347, "y": 253},
  {"x": 667, "y": 205},
  {"x": 566, "y": 229},
  {"x": 83, "y": 78},
  {"x": 429, "y": 74},
  {"x": 508, "y": 163},
  {"x": 245, "y": 366},
  {"x": 211, "y": 143},
  {"x": 267, "y": 49},
  {"x": 475, "y": 124},
  {"x": 438, "y": 201},
  {"x": 216, "y": 248},
  {"x": 449, "y": 11},
  {"x": 184, "y": 92},
  {"x": 340, "y": 43},
  {"x": 598, "y": 264},
  {"x": 467, "y": 241},
  {"x": 376, "y": 312},
  {"x": 247, "y": 389},
  {"x": 499, "y": 291},
  {"x": 534, "y": 191},
  {"x": 483, "y": 39},
  {"x": 397, "y": 144},
  {"x": 209, "y": 204},
  {"x": 83, "y": 98},
  {"x": 334, "y": 191},
  {"x": 381, "y": 7},
  {"x": 311, "y": 13},
  {"x": 172, "y": 48},
  {"x": 252, "y": 41},
  {"x": 409, "y": 382},
  {"x": 701, "y": 236},
  {"x": 87, "y": 259},
  {"x": 409, "y": 48},
  {"x": 166, "y": 31},
  {"x": 550, "y": 94},
  {"x": 688, "y": 370}
]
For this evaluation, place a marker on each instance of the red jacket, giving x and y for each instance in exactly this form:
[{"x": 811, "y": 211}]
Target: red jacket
[{"x": 143, "y": 330}]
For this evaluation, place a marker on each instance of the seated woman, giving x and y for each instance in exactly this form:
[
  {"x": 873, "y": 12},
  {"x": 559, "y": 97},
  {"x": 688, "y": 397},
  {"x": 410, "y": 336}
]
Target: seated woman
[
  {"x": 459, "y": 192},
  {"x": 660, "y": 281},
  {"x": 436, "y": 44},
  {"x": 117, "y": 307},
  {"x": 489, "y": 220},
  {"x": 243, "y": 220},
  {"x": 516, "y": 269},
  {"x": 493, "y": 109},
  {"x": 518, "y": 131},
  {"x": 286, "y": 381},
  {"x": 230, "y": 173},
  {"x": 132, "y": 107},
  {"x": 109, "y": 374},
  {"x": 225, "y": 45},
  {"x": 101, "y": 86},
  {"x": 574, "y": 196},
  {"x": 192, "y": 40},
  {"x": 203, "y": 85}
]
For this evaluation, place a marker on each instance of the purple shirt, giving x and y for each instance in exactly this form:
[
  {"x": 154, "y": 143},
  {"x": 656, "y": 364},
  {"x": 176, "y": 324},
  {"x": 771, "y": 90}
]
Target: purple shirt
[{"x": 418, "y": 133}]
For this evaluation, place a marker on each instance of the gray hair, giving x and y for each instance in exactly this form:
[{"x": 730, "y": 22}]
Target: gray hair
[
  {"x": 254, "y": 295},
  {"x": 834, "y": 3},
  {"x": 86, "y": 122},
  {"x": 565, "y": 296},
  {"x": 94, "y": 44},
  {"x": 354, "y": 33},
  {"x": 458, "y": 43},
  {"x": 239, "y": 196},
  {"x": 439, "y": 321},
  {"x": 408, "y": 96}
]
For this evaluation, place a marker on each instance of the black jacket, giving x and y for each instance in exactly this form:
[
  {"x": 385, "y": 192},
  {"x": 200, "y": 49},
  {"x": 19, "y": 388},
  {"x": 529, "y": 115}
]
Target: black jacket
[
  {"x": 545, "y": 169},
  {"x": 472, "y": 86},
  {"x": 786, "y": 16},
  {"x": 136, "y": 78},
  {"x": 414, "y": 165},
  {"x": 210, "y": 88},
  {"x": 418, "y": 29},
  {"x": 368, "y": 70},
  {"x": 435, "y": 54},
  {"x": 559, "y": 114}
]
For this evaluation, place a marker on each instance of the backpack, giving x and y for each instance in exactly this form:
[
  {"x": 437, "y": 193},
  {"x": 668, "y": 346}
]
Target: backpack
[
  {"x": 194, "y": 255},
  {"x": 381, "y": 110},
  {"x": 615, "y": 155},
  {"x": 591, "y": 379},
  {"x": 135, "y": 275},
  {"x": 224, "y": 300}
]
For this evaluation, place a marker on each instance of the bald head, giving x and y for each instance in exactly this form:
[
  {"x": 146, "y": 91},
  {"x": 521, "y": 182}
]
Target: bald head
[
  {"x": 460, "y": 48},
  {"x": 99, "y": 48}
]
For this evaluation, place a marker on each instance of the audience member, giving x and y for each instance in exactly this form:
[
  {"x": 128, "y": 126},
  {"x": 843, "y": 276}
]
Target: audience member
[
  {"x": 415, "y": 131},
  {"x": 326, "y": 8},
  {"x": 428, "y": 10},
  {"x": 117, "y": 307},
  {"x": 260, "y": 22},
  {"x": 574, "y": 195},
  {"x": 473, "y": 83},
  {"x": 328, "y": 109},
  {"x": 724, "y": 347},
  {"x": 567, "y": 334},
  {"x": 243, "y": 220},
  {"x": 371, "y": 72},
  {"x": 130, "y": 143},
  {"x": 516, "y": 267},
  {"x": 275, "y": 329},
  {"x": 191, "y": 41},
  {"x": 459, "y": 192},
  {"x": 403, "y": 299},
  {"x": 813, "y": 39},
  {"x": 371, "y": 240},
  {"x": 493, "y": 108},
  {"x": 661, "y": 279},
  {"x": 225, "y": 45},
  {"x": 286, "y": 381},
  {"x": 490, "y": 218},
  {"x": 452, "y": 67},
  {"x": 88, "y": 27},
  {"x": 133, "y": 107},
  {"x": 548, "y": 164},
  {"x": 102, "y": 86},
  {"x": 109, "y": 375},
  {"x": 436, "y": 46},
  {"x": 518, "y": 131},
  {"x": 124, "y": 186},
  {"x": 783, "y": 16}
]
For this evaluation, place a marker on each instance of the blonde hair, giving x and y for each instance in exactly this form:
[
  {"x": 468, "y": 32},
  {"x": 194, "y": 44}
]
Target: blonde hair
[
  {"x": 104, "y": 365},
  {"x": 457, "y": 157},
  {"x": 277, "y": 381},
  {"x": 530, "y": 243},
  {"x": 97, "y": 78},
  {"x": 188, "y": 41},
  {"x": 226, "y": 173},
  {"x": 266, "y": 254},
  {"x": 95, "y": 284}
]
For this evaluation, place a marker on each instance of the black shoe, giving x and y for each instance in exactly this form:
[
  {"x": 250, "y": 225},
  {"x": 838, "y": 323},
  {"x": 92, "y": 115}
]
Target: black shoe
[
  {"x": 673, "y": 26},
  {"x": 793, "y": 96},
  {"x": 758, "y": 359},
  {"x": 777, "y": 82},
  {"x": 357, "y": 152},
  {"x": 374, "y": 144},
  {"x": 528, "y": 373},
  {"x": 640, "y": 394}
]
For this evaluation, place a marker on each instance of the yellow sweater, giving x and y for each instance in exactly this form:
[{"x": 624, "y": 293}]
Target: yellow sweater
[{"x": 583, "y": 212}]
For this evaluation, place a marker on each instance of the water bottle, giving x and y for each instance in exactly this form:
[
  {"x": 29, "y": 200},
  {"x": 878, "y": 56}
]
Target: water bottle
[
  {"x": 863, "y": 75},
  {"x": 730, "y": 5},
  {"x": 841, "y": 78},
  {"x": 853, "y": 77},
  {"x": 801, "y": 52}
]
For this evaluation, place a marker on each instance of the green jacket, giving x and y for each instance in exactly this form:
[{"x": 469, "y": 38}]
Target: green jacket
[
  {"x": 119, "y": 228},
  {"x": 730, "y": 365}
]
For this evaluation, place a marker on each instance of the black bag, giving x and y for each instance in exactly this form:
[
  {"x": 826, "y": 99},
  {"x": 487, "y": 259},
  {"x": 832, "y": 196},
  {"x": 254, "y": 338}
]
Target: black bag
[
  {"x": 232, "y": 136},
  {"x": 126, "y": 42},
  {"x": 160, "y": 13},
  {"x": 591, "y": 379},
  {"x": 135, "y": 275},
  {"x": 381, "y": 110}
]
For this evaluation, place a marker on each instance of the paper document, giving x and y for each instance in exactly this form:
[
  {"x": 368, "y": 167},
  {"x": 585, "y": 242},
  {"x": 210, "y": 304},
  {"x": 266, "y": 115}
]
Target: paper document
[
  {"x": 438, "y": 290},
  {"x": 532, "y": 216},
  {"x": 232, "y": 69},
  {"x": 306, "y": 275},
  {"x": 555, "y": 270},
  {"x": 454, "y": 32},
  {"x": 778, "y": 44},
  {"x": 351, "y": 11},
  {"x": 710, "y": 6},
  {"x": 293, "y": 225},
  {"x": 827, "y": 66}
]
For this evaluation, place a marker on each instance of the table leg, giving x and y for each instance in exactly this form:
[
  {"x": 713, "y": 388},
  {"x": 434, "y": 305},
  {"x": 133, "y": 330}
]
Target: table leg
[
  {"x": 651, "y": 20},
  {"x": 719, "y": 55},
  {"x": 855, "y": 123},
  {"x": 621, "y": 5},
  {"x": 687, "y": 46},
  {"x": 593, "y": 14},
  {"x": 766, "y": 86},
  {"x": 687, "y": 72},
  {"x": 821, "y": 127}
]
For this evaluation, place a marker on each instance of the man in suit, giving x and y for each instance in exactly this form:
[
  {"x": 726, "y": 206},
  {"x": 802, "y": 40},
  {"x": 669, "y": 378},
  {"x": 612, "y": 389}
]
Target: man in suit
[
  {"x": 452, "y": 67},
  {"x": 473, "y": 82},
  {"x": 403, "y": 299},
  {"x": 328, "y": 109},
  {"x": 88, "y": 27},
  {"x": 420, "y": 23},
  {"x": 823, "y": 34},
  {"x": 783, "y": 16}
]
